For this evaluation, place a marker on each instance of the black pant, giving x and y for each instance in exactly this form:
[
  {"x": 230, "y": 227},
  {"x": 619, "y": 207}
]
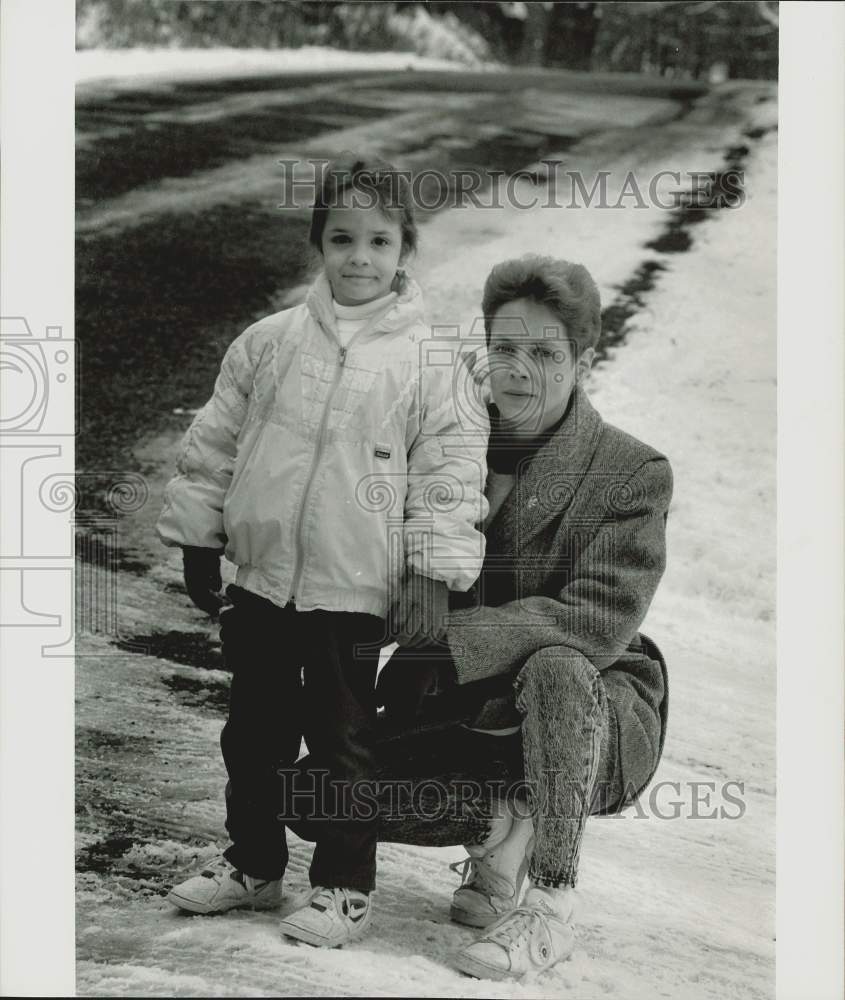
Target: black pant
[{"x": 298, "y": 674}]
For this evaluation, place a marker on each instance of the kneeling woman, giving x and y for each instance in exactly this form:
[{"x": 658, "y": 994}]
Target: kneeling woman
[{"x": 543, "y": 685}]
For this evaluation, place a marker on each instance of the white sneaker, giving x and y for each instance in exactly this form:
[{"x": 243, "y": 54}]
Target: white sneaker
[
  {"x": 220, "y": 887},
  {"x": 493, "y": 874},
  {"x": 531, "y": 938},
  {"x": 329, "y": 917}
]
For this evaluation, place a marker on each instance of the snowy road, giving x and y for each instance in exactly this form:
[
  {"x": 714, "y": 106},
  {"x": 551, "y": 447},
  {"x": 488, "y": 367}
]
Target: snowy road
[
  {"x": 180, "y": 237},
  {"x": 677, "y": 907}
]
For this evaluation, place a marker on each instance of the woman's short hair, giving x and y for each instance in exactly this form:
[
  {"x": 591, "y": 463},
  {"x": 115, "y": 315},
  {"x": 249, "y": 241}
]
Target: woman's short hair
[
  {"x": 375, "y": 182},
  {"x": 565, "y": 288}
]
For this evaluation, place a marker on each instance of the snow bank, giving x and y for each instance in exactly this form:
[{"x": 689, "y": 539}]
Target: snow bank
[{"x": 168, "y": 65}]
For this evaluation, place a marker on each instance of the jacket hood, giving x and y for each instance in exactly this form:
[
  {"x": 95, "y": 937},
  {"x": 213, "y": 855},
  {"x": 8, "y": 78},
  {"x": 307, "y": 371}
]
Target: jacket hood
[{"x": 405, "y": 310}]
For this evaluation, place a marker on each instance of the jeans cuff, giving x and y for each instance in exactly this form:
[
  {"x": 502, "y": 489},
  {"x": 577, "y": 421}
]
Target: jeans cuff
[
  {"x": 267, "y": 873},
  {"x": 363, "y": 883},
  {"x": 559, "y": 880}
]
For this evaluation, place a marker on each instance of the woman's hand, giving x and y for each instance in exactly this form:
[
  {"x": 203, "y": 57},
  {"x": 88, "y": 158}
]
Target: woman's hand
[
  {"x": 419, "y": 616},
  {"x": 403, "y": 684},
  {"x": 203, "y": 581}
]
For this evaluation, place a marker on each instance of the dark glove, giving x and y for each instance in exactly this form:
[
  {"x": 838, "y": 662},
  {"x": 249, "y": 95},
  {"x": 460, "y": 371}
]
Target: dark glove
[
  {"x": 202, "y": 578},
  {"x": 403, "y": 684},
  {"x": 419, "y": 615}
]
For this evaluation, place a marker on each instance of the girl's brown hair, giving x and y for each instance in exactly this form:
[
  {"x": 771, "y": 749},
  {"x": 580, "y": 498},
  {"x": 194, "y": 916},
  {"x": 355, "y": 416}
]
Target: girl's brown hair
[{"x": 374, "y": 182}]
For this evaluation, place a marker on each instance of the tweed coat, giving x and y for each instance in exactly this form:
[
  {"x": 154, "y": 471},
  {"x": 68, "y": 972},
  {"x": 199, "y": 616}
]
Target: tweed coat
[{"x": 574, "y": 556}]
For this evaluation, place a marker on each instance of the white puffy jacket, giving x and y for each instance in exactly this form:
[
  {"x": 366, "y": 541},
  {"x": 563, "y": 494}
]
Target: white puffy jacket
[{"x": 323, "y": 470}]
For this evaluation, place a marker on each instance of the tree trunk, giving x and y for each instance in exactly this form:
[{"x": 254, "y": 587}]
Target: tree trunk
[
  {"x": 534, "y": 38},
  {"x": 571, "y": 35}
]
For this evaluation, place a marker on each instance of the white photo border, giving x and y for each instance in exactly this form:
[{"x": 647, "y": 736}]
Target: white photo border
[{"x": 37, "y": 692}]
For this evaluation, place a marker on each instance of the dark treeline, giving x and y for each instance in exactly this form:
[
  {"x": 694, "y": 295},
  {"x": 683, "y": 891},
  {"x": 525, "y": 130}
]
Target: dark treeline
[{"x": 691, "y": 38}]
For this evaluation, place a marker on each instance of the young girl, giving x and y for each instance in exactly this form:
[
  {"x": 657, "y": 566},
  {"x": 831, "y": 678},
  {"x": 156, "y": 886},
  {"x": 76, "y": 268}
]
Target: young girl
[{"x": 330, "y": 467}]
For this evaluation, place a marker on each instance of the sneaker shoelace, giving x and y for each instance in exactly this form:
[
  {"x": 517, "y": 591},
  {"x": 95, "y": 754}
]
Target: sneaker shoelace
[
  {"x": 343, "y": 901},
  {"x": 478, "y": 875},
  {"x": 518, "y": 925}
]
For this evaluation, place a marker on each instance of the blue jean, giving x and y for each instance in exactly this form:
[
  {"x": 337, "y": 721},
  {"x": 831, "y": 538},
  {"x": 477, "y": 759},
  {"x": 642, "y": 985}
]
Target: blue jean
[
  {"x": 569, "y": 750},
  {"x": 438, "y": 782}
]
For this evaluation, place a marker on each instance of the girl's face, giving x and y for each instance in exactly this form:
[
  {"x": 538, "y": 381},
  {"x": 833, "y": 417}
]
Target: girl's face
[
  {"x": 533, "y": 366},
  {"x": 362, "y": 248}
]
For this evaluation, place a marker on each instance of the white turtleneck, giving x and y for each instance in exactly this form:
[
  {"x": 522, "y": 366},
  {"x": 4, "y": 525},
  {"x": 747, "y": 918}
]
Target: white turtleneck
[{"x": 351, "y": 319}]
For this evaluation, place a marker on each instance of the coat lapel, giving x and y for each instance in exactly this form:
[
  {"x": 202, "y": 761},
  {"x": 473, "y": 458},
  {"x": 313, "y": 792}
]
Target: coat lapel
[{"x": 546, "y": 484}]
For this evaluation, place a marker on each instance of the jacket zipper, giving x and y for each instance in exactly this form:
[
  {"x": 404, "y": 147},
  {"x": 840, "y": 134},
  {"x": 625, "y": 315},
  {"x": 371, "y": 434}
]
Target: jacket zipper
[
  {"x": 300, "y": 549},
  {"x": 342, "y": 351}
]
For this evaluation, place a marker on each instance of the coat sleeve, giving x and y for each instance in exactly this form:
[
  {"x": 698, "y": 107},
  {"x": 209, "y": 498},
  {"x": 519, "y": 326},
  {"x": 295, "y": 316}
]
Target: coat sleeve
[
  {"x": 445, "y": 503},
  {"x": 600, "y": 608},
  {"x": 193, "y": 499}
]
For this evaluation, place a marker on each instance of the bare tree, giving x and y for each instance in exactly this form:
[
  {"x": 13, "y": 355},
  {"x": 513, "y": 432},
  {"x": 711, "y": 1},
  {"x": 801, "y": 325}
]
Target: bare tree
[{"x": 536, "y": 26}]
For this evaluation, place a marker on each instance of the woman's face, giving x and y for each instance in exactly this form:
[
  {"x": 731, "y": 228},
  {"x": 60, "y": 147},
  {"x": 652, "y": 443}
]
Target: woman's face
[{"x": 533, "y": 366}]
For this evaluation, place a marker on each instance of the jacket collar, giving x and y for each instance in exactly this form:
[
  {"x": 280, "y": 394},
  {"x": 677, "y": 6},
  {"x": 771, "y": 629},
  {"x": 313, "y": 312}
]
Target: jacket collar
[
  {"x": 547, "y": 482},
  {"x": 406, "y": 309}
]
